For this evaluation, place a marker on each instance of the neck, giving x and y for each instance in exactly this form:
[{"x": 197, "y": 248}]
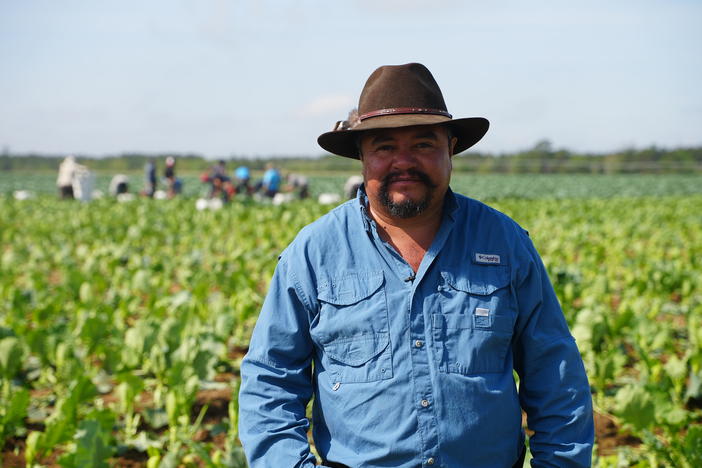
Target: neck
[
  {"x": 427, "y": 221},
  {"x": 411, "y": 237}
]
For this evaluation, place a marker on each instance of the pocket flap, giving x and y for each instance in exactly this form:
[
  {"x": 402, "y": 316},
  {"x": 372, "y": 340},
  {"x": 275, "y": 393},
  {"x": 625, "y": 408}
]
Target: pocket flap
[
  {"x": 357, "y": 350},
  {"x": 349, "y": 288},
  {"x": 478, "y": 279}
]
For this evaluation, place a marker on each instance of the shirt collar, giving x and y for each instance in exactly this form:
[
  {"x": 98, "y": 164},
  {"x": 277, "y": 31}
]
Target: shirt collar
[
  {"x": 450, "y": 204},
  {"x": 362, "y": 202}
]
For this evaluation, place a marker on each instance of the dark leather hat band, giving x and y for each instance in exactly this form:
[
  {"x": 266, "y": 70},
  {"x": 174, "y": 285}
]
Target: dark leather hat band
[{"x": 403, "y": 110}]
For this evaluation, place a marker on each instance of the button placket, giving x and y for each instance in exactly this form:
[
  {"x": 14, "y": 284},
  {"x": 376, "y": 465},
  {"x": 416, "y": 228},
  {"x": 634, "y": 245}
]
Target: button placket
[{"x": 421, "y": 370}]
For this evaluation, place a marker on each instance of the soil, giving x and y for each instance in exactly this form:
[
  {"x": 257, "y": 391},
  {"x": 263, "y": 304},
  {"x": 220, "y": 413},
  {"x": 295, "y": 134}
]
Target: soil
[{"x": 609, "y": 437}]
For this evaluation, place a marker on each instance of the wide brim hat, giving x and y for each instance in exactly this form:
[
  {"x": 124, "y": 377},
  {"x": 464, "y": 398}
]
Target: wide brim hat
[{"x": 397, "y": 96}]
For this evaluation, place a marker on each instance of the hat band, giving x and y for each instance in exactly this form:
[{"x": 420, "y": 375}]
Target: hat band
[{"x": 403, "y": 110}]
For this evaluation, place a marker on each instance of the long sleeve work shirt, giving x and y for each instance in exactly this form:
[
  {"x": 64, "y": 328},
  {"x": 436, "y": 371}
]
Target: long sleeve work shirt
[{"x": 413, "y": 369}]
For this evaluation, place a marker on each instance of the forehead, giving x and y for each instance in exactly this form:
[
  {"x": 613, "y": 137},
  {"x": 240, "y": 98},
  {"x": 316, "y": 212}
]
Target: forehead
[{"x": 418, "y": 131}]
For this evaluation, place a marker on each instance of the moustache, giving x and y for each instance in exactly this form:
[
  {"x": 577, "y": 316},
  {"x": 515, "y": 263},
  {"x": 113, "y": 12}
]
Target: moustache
[{"x": 413, "y": 173}]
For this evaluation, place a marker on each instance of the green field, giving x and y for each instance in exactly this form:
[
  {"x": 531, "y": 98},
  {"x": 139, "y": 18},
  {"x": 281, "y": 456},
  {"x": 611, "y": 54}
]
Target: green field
[
  {"x": 122, "y": 324},
  {"x": 480, "y": 186}
]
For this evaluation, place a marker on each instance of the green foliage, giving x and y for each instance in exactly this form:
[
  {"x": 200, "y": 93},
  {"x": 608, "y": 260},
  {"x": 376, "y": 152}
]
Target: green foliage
[
  {"x": 126, "y": 300},
  {"x": 10, "y": 357},
  {"x": 117, "y": 315},
  {"x": 94, "y": 443},
  {"x": 541, "y": 158},
  {"x": 14, "y": 402},
  {"x": 635, "y": 406}
]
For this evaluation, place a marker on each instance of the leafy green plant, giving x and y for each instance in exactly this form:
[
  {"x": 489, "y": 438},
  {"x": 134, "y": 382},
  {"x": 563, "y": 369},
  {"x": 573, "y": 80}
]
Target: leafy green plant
[{"x": 114, "y": 317}]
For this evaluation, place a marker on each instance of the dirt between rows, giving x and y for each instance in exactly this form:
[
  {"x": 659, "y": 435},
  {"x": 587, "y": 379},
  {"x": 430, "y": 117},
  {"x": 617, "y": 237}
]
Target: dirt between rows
[{"x": 608, "y": 436}]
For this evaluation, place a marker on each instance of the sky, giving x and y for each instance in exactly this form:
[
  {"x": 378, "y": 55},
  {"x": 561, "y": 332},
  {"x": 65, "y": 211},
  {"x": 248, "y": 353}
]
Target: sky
[{"x": 265, "y": 78}]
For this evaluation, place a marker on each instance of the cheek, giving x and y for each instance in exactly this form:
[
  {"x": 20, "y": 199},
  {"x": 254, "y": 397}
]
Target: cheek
[
  {"x": 372, "y": 170},
  {"x": 364, "y": 173},
  {"x": 445, "y": 168}
]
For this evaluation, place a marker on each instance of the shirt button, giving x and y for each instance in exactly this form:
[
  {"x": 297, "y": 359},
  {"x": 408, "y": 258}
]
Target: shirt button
[
  {"x": 418, "y": 344},
  {"x": 430, "y": 461},
  {"x": 424, "y": 403}
]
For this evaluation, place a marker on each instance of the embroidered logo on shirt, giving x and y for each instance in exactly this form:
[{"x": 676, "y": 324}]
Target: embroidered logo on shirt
[
  {"x": 487, "y": 258},
  {"x": 481, "y": 312}
]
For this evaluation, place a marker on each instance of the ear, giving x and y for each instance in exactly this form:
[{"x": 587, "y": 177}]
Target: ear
[{"x": 452, "y": 145}]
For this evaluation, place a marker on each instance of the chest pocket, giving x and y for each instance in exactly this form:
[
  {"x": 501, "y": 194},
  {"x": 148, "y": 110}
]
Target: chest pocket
[
  {"x": 352, "y": 329},
  {"x": 474, "y": 329}
]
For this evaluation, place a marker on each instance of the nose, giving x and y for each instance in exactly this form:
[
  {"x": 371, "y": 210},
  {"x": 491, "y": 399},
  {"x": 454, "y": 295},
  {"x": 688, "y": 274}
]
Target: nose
[{"x": 404, "y": 158}]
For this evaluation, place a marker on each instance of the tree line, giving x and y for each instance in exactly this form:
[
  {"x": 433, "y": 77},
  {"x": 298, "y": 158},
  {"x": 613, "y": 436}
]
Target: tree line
[{"x": 541, "y": 158}]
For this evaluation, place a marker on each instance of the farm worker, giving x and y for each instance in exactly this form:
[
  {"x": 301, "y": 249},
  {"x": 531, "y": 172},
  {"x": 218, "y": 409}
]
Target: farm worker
[
  {"x": 405, "y": 311},
  {"x": 299, "y": 184},
  {"x": 119, "y": 184},
  {"x": 67, "y": 173},
  {"x": 150, "y": 178},
  {"x": 351, "y": 186},
  {"x": 220, "y": 184},
  {"x": 173, "y": 183},
  {"x": 271, "y": 181},
  {"x": 242, "y": 180},
  {"x": 219, "y": 170}
]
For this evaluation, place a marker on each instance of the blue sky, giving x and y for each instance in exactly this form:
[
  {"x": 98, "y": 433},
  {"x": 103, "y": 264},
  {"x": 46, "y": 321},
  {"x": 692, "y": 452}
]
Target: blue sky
[{"x": 261, "y": 78}]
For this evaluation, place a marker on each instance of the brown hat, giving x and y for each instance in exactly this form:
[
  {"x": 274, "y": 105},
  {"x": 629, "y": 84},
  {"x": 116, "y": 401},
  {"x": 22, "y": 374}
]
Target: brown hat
[{"x": 401, "y": 96}]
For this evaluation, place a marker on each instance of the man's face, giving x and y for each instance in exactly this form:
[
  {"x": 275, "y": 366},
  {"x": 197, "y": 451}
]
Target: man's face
[{"x": 406, "y": 170}]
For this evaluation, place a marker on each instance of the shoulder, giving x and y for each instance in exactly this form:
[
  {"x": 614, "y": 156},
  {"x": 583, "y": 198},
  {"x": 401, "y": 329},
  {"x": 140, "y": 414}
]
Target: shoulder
[
  {"x": 322, "y": 247},
  {"x": 489, "y": 231},
  {"x": 326, "y": 233},
  {"x": 482, "y": 216}
]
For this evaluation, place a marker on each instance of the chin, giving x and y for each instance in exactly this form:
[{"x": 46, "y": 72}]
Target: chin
[
  {"x": 408, "y": 195},
  {"x": 404, "y": 199}
]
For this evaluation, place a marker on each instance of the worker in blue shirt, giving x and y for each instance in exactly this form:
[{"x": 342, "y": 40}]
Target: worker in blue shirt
[
  {"x": 242, "y": 180},
  {"x": 270, "y": 184},
  {"x": 405, "y": 311}
]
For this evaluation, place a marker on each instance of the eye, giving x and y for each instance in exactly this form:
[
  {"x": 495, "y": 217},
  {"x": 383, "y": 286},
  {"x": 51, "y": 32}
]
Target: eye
[{"x": 384, "y": 148}]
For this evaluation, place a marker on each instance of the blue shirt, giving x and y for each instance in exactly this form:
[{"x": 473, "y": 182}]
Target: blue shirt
[
  {"x": 271, "y": 179},
  {"x": 242, "y": 173},
  {"x": 413, "y": 370}
]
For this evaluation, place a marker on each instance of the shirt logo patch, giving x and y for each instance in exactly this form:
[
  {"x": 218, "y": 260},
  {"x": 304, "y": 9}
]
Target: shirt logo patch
[
  {"x": 487, "y": 258},
  {"x": 481, "y": 312}
]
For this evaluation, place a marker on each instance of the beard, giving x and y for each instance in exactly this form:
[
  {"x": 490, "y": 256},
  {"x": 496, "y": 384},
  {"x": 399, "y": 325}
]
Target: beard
[{"x": 408, "y": 208}]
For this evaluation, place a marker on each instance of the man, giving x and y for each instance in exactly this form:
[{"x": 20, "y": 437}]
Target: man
[
  {"x": 119, "y": 184},
  {"x": 351, "y": 186},
  {"x": 67, "y": 175},
  {"x": 270, "y": 184},
  {"x": 173, "y": 183},
  {"x": 242, "y": 176},
  {"x": 405, "y": 311},
  {"x": 150, "y": 178},
  {"x": 298, "y": 183}
]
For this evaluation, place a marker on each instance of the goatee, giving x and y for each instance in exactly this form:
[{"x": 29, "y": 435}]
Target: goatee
[{"x": 408, "y": 208}]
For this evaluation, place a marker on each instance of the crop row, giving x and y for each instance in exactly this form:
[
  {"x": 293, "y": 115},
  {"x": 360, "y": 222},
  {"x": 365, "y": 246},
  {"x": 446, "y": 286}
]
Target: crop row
[
  {"x": 481, "y": 186},
  {"x": 122, "y": 324}
]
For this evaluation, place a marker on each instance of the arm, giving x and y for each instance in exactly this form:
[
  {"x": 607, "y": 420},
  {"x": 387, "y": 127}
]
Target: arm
[
  {"x": 276, "y": 379},
  {"x": 553, "y": 390}
]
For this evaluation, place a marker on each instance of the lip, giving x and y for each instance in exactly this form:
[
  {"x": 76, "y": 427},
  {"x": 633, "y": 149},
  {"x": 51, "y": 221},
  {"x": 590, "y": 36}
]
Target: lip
[{"x": 405, "y": 180}]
